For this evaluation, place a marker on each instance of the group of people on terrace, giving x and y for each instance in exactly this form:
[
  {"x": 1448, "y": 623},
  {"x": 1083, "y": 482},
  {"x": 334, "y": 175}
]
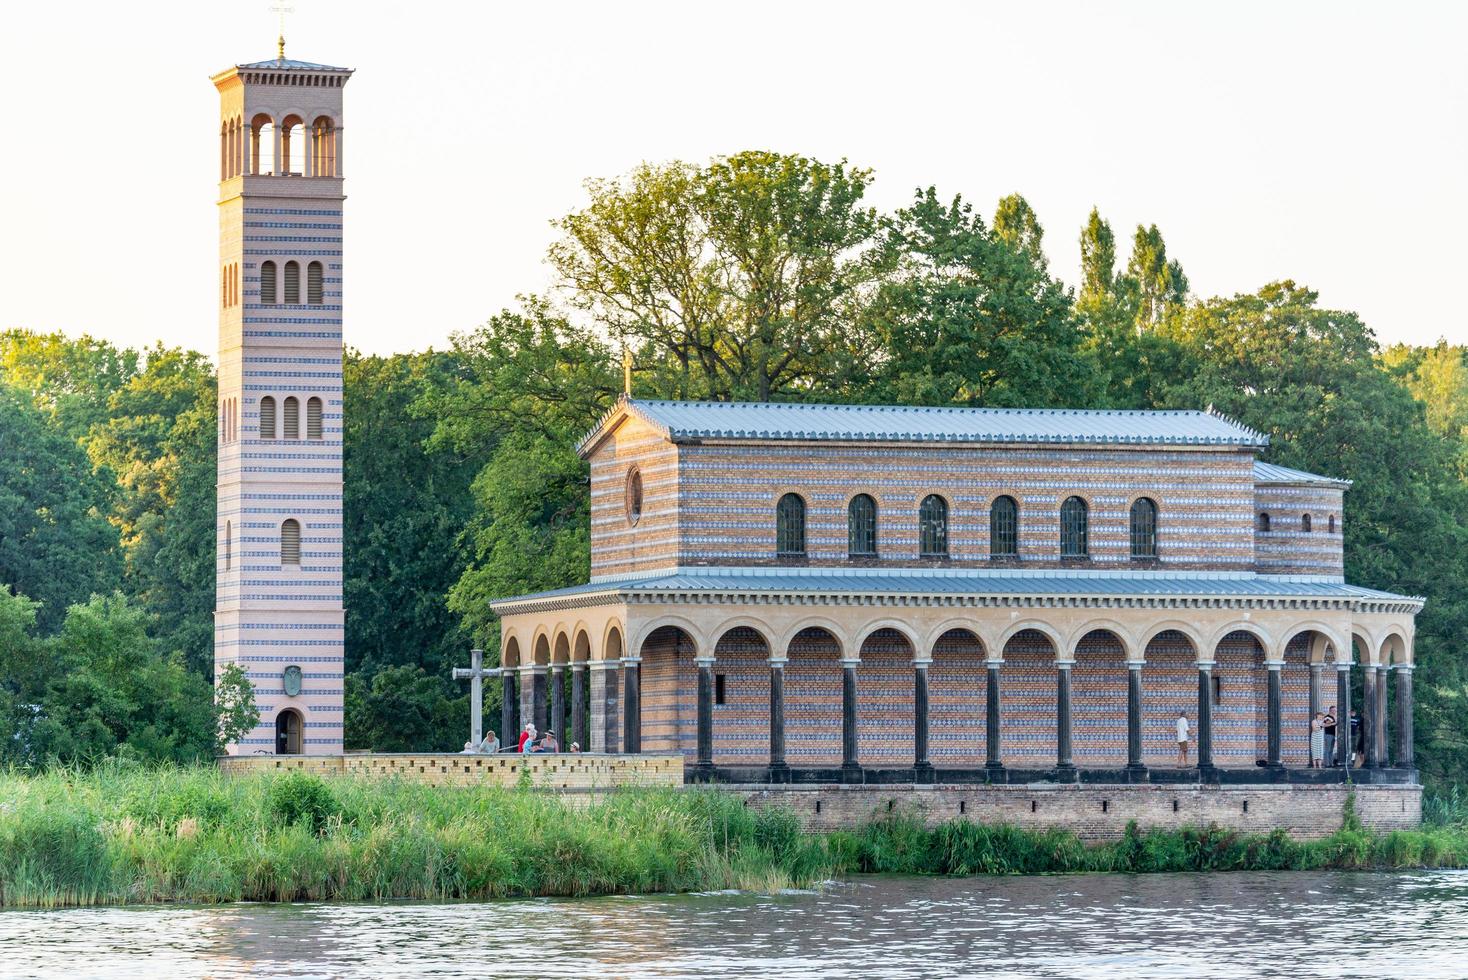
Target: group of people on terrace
[{"x": 530, "y": 742}]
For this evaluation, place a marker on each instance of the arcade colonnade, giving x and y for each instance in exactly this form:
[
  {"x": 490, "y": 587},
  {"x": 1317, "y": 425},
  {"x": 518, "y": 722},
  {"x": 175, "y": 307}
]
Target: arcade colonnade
[{"x": 1006, "y": 687}]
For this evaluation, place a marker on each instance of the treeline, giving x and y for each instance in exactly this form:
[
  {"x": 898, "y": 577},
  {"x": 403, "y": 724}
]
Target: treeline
[{"x": 754, "y": 276}]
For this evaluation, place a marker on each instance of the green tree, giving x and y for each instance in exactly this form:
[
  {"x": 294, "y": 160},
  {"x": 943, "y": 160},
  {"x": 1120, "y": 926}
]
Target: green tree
[
  {"x": 55, "y": 543},
  {"x": 403, "y": 709},
  {"x": 1154, "y": 285},
  {"x": 1017, "y": 225},
  {"x": 72, "y": 381},
  {"x": 234, "y": 701},
  {"x": 24, "y": 667},
  {"x": 965, "y": 318},
  {"x": 740, "y": 279},
  {"x": 405, "y": 509}
]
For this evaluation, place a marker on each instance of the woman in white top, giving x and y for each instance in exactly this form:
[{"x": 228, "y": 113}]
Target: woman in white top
[
  {"x": 1182, "y": 740},
  {"x": 1317, "y": 740}
]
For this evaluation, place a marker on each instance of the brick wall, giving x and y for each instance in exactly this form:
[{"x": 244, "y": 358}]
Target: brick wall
[
  {"x": 1286, "y": 548},
  {"x": 742, "y": 722},
  {"x": 727, "y": 496},
  {"x": 617, "y": 546},
  {"x": 1102, "y": 813}
]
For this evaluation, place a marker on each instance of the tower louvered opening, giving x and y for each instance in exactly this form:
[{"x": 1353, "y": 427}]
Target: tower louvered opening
[
  {"x": 267, "y": 418},
  {"x": 292, "y": 282},
  {"x": 268, "y": 294},
  {"x": 292, "y": 419},
  {"x": 313, "y": 284},
  {"x": 313, "y": 418},
  {"x": 290, "y": 542}
]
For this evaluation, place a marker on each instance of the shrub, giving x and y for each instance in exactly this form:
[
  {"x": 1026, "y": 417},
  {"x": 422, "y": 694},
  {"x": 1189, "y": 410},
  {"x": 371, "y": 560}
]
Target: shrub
[{"x": 300, "y": 798}]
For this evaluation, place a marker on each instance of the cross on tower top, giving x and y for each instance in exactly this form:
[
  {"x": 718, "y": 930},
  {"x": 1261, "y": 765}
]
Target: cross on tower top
[{"x": 281, "y": 9}]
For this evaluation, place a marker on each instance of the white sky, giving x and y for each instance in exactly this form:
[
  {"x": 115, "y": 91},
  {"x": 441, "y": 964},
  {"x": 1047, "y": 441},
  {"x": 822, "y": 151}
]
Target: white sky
[{"x": 1325, "y": 142}]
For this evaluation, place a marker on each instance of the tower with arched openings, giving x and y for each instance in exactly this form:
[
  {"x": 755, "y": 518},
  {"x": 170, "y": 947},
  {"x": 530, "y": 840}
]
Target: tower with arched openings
[{"x": 278, "y": 596}]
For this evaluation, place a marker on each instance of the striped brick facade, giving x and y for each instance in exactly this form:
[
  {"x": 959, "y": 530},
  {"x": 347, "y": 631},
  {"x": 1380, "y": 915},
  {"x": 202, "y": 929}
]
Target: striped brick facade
[
  {"x": 685, "y": 579},
  {"x": 271, "y": 614}
]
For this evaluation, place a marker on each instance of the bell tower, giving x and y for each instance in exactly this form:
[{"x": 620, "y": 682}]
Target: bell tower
[{"x": 278, "y": 586}]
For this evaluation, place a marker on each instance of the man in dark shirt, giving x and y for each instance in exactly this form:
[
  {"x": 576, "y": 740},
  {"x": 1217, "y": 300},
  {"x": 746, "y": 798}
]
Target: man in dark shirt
[
  {"x": 1330, "y": 736},
  {"x": 1358, "y": 739}
]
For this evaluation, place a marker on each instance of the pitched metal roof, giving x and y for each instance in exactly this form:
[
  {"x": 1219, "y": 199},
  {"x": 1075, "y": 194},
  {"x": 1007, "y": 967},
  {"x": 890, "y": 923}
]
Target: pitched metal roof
[
  {"x": 767, "y": 421},
  {"x": 1269, "y": 473},
  {"x": 974, "y": 582},
  {"x": 288, "y": 64}
]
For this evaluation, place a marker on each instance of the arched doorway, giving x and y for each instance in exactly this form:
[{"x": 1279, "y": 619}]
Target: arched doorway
[
  {"x": 669, "y": 692},
  {"x": 288, "y": 727},
  {"x": 956, "y": 691},
  {"x": 1169, "y": 685}
]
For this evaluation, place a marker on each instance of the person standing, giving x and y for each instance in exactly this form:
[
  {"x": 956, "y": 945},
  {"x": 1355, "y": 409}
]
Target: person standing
[
  {"x": 1317, "y": 740},
  {"x": 1182, "y": 740},
  {"x": 1330, "y": 736},
  {"x": 1358, "y": 739}
]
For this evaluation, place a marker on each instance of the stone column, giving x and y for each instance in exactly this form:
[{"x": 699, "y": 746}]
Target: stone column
[
  {"x": 579, "y": 732},
  {"x": 509, "y": 708},
  {"x": 603, "y": 705},
  {"x": 850, "y": 765},
  {"x": 993, "y": 751},
  {"x": 1315, "y": 705},
  {"x": 1206, "y": 768},
  {"x": 1383, "y": 673},
  {"x": 1344, "y": 744},
  {"x": 1272, "y": 719},
  {"x": 921, "y": 766},
  {"x": 1368, "y": 716},
  {"x": 632, "y": 705},
  {"x": 704, "y": 767},
  {"x": 538, "y": 685},
  {"x": 527, "y": 697},
  {"x": 558, "y": 705},
  {"x": 779, "y": 771},
  {"x": 1406, "y": 755},
  {"x": 1134, "y": 765},
  {"x": 278, "y": 163},
  {"x": 1065, "y": 767}
]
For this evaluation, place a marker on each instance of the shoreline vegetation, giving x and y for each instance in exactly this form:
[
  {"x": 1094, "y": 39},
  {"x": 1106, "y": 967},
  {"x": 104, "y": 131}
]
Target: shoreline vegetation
[{"x": 140, "y": 834}]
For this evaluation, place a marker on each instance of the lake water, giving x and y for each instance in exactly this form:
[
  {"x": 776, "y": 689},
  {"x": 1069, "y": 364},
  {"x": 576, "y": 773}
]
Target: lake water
[{"x": 1298, "y": 925}]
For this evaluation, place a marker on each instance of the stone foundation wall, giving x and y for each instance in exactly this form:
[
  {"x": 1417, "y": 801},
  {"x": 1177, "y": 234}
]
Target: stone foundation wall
[
  {"x": 562, "y": 771},
  {"x": 1101, "y": 813}
]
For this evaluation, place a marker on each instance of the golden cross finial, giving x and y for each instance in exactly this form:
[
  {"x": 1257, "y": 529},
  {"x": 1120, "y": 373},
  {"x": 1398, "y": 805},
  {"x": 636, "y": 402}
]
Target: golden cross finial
[
  {"x": 281, "y": 9},
  {"x": 626, "y": 371}
]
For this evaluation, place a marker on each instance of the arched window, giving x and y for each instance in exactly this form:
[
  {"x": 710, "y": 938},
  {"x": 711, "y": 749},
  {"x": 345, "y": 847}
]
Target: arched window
[
  {"x": 291, "y": 419},
  {"x": 262, "y": 145},
  {"x": 292, "y": 145},
  {"x": 861, "y": 526},
  {"x": 1004, "y": 528},
  {"x": 1330, "y": 524},
  {"x": 1073, "y": 542},
  {"x": 290, "y": 542},
  {"x": 1305, "y": 523},
  {"x": 292, "y": 282},
  {"x": 313, "y": 284},
  {"x": 1264, "y": 521},
  {"x": 632, "y": 500},
  {"x": 790, "y": 525},
  {"x": 228, "y": 545},
  {"x": 933, "y": 527},
  {"x": 1144, "y": 529},
  {"x": 313, "y": 418},
  {"x": 323, "y": 148},
  {"x": 267, "y": 418},
  {"x": 268, "y": 295}
]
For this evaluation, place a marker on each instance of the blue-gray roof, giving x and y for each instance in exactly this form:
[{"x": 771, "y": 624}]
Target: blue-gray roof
[
  {"x": 288, "y": 64},
  {"x": 977, "y": 582},
  {"x": 896, "y": 423},
  {"x": 1270, "y": 473}
]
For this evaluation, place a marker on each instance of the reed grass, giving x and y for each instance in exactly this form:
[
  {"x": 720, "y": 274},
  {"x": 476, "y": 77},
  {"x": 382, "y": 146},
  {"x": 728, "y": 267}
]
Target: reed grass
[{"x": 118, "y": 834}]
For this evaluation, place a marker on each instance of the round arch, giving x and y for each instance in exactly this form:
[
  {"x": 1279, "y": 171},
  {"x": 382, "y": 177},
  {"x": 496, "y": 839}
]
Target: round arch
[
  {"x": 581, "y": 647},
  {"x": 694, "y": 634},
  {"x": 1395, "y": 648},
  {"x": 740, "y": 622},
  {"x": 955, "y": 625},
  {"x": 889, "y": 624},
  {"x": 613, "y": 644},
  {"x": 1296, "y": 629},
  {"x": 815, "y": 622},
  {"x": 510, "y": 650},
  {"x": 561, "y": 650},
  {"x": 1359, "y": 634},
  {"x": 1039, "y": 626},
  {"x": 1241, "y": 626},
  {"x": 1122, "y": 634},
  {"x": 540, "y": 652},
  {"x": 1174, "y": 626}
]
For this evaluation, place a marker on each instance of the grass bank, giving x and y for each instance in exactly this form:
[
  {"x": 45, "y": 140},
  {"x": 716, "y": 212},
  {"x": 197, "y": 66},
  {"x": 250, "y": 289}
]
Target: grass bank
[{"x": 126, "y": 835}]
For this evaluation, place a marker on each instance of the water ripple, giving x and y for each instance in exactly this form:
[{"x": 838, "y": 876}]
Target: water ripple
[{"x": 1288, "y": 924}]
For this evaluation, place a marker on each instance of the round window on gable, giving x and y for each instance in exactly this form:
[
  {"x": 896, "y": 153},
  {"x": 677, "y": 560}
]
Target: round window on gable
[{"x": 634, "y": 495}]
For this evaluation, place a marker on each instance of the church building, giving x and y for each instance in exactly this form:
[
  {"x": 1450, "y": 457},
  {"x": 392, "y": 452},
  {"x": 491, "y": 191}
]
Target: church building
[{"x": 824, "y": 593}]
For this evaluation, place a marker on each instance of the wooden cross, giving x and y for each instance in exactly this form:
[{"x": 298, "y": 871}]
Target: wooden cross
[{"x": 475, "y": 674}]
